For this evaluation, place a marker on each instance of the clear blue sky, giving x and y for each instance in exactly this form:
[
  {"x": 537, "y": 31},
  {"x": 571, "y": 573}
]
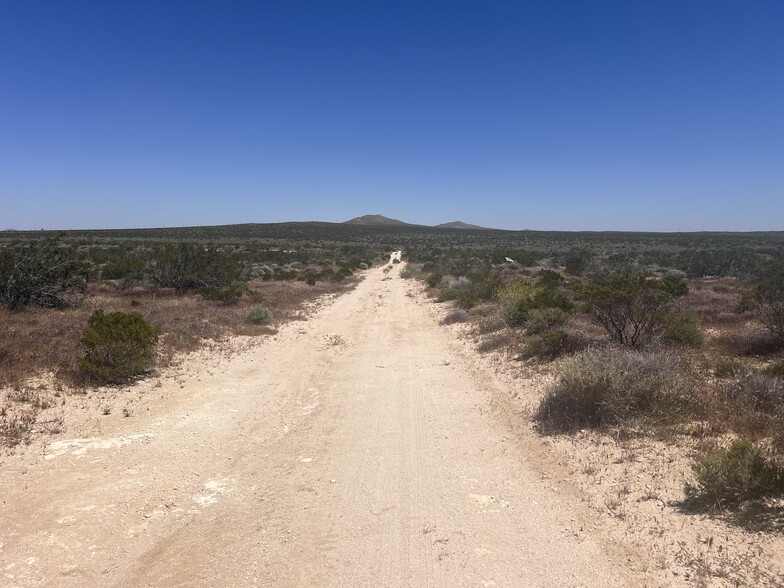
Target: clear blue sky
[{"x": 633, "y": 114}]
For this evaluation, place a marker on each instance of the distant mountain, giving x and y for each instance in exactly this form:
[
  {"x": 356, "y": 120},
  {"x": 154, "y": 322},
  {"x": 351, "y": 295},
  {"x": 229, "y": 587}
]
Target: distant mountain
[
  {"x": 459, "y": 225},
  {"x": 376, "y": 219}
]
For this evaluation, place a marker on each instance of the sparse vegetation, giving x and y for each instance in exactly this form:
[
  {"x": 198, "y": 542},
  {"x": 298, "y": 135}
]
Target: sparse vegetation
[
  {"x": 632, "y": 307},
  {"x": 118, "y": 347},
  {"x": 40, "y": 274},
  {"x": 617, "y": 389},
  {"x": 733, "y": 475},
  {"x": 545, "y": 344},
  {"x": 259, "y": 315}
]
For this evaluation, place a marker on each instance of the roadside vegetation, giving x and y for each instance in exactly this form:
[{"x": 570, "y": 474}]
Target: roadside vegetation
[
  {"x": 675, "y": 338},
  {"x": 81, "y": 310},
  {"x": 646, "y": 334}
]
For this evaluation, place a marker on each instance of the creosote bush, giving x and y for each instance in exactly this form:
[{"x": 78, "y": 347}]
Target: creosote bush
[
  {"x": 734, "y": 475},
  {"x": 118, "y": 346},
  {"x": 617, "y": 388},
  {"x": 41, "y": 275},
  {"x": 260, "y": 316},
  {"x": 631, "y": 306}
]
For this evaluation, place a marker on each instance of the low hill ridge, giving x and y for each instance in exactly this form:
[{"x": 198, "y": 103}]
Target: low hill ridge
[
  {"x": 458, "y": 225},
  {"x": 375, "y": 219}
]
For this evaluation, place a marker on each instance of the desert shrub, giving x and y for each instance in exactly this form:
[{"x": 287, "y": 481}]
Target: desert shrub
[
  {"x": 757, "y": 392},
  {"x": 458, "y": 315},
  {"x": 362, "y": 266},
  {"x": 630, "y": 306},
  {"x": 259, "y": 315},
  {"x": 229, "y": 294},
  {"x": 577, "y": 262},
  {"x": 484, "y": 284},
  {"x": 727, "y": 368},
  {"x": 118, "y": 346},
  {"x": 682, "y": 327},
  {"x": 767, "y": 297},
  {"x": 733, "y": 475},
  {"x": 396, "y": 260},
  {"x": 433, "y": 280},
  {"x": 519, "y": 298},
  {"x": 128, "y": 268},
  {"x": 466, "y": 299},
  {"x": 187, "y": 267},
  {"x": 775, "y": 370},
  {"x": 546, "y": 345},
  {"x": 41, "y": 275},
  {"x": 412, "y": 270},
  {"x": 546, "y": 319},
  {"x": 616, "y": 388}
]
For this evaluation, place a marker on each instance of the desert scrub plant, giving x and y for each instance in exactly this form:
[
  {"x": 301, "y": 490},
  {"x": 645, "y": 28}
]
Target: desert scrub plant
[
  {"x": 41, "y": 275},
  {"x": 546, "y": 345},
  {"x": 259, "y": 315},
  {"x": 457, "y": 315},
  {"x": 546, "y": 319},
  {"x": 733, "y": 475},
  {"x": 682, "y": 327},
  {"x": 118, "y": 346},
  {"x": 757, "y": 392},
  {"x": 519, "y": 298},
  {"x": 186, "y": 266},
  {"x": 631, "y": 306},
  {"x": 617, "y": 388},
  {"x": 767, "y": 297}
]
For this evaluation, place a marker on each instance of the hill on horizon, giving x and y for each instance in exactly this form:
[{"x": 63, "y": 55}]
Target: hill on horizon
[
  {"x": 376, "y": 219},
  {"x": 459, "y": 225},
  {"x": 380, "y": 219}
]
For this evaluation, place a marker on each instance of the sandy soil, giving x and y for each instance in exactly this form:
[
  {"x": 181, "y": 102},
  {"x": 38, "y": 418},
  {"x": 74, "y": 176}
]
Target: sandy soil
[{"x": 359, "y": 448}]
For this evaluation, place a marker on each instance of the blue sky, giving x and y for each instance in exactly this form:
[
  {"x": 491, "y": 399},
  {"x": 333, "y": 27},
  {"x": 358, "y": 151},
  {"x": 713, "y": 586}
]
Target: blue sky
[{"x": 626, "y": 115}]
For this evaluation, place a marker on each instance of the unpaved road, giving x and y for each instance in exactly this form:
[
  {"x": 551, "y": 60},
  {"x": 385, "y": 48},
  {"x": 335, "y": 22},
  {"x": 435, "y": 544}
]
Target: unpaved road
[{"x": 355, "y": 449}]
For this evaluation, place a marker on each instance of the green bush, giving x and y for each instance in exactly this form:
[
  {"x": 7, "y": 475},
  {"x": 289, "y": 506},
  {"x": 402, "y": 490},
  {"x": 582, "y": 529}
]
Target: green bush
[
  {"x": 187, "y": 267},
  {"x": 545, "y": 345},
  {"x": 433, "y": 280},
  {"x": 118, "y": 346},
  {"x": 519, "y": 298},
  {"x": 259, "y": 315},
  {"x": 631, "y": 306},
  {"x": 733, "y": 475},
  {"x": 616, "y": 388},
  {"x": 682, "y": 327},
  {"x": 546, "y": 319},
  {"x": 229, "y": 294},
  {"x": 41, "y": 275}
]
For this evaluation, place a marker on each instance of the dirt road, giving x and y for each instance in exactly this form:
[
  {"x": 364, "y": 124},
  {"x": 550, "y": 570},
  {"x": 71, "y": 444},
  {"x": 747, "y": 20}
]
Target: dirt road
[{"x": 354, "y": 449}]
